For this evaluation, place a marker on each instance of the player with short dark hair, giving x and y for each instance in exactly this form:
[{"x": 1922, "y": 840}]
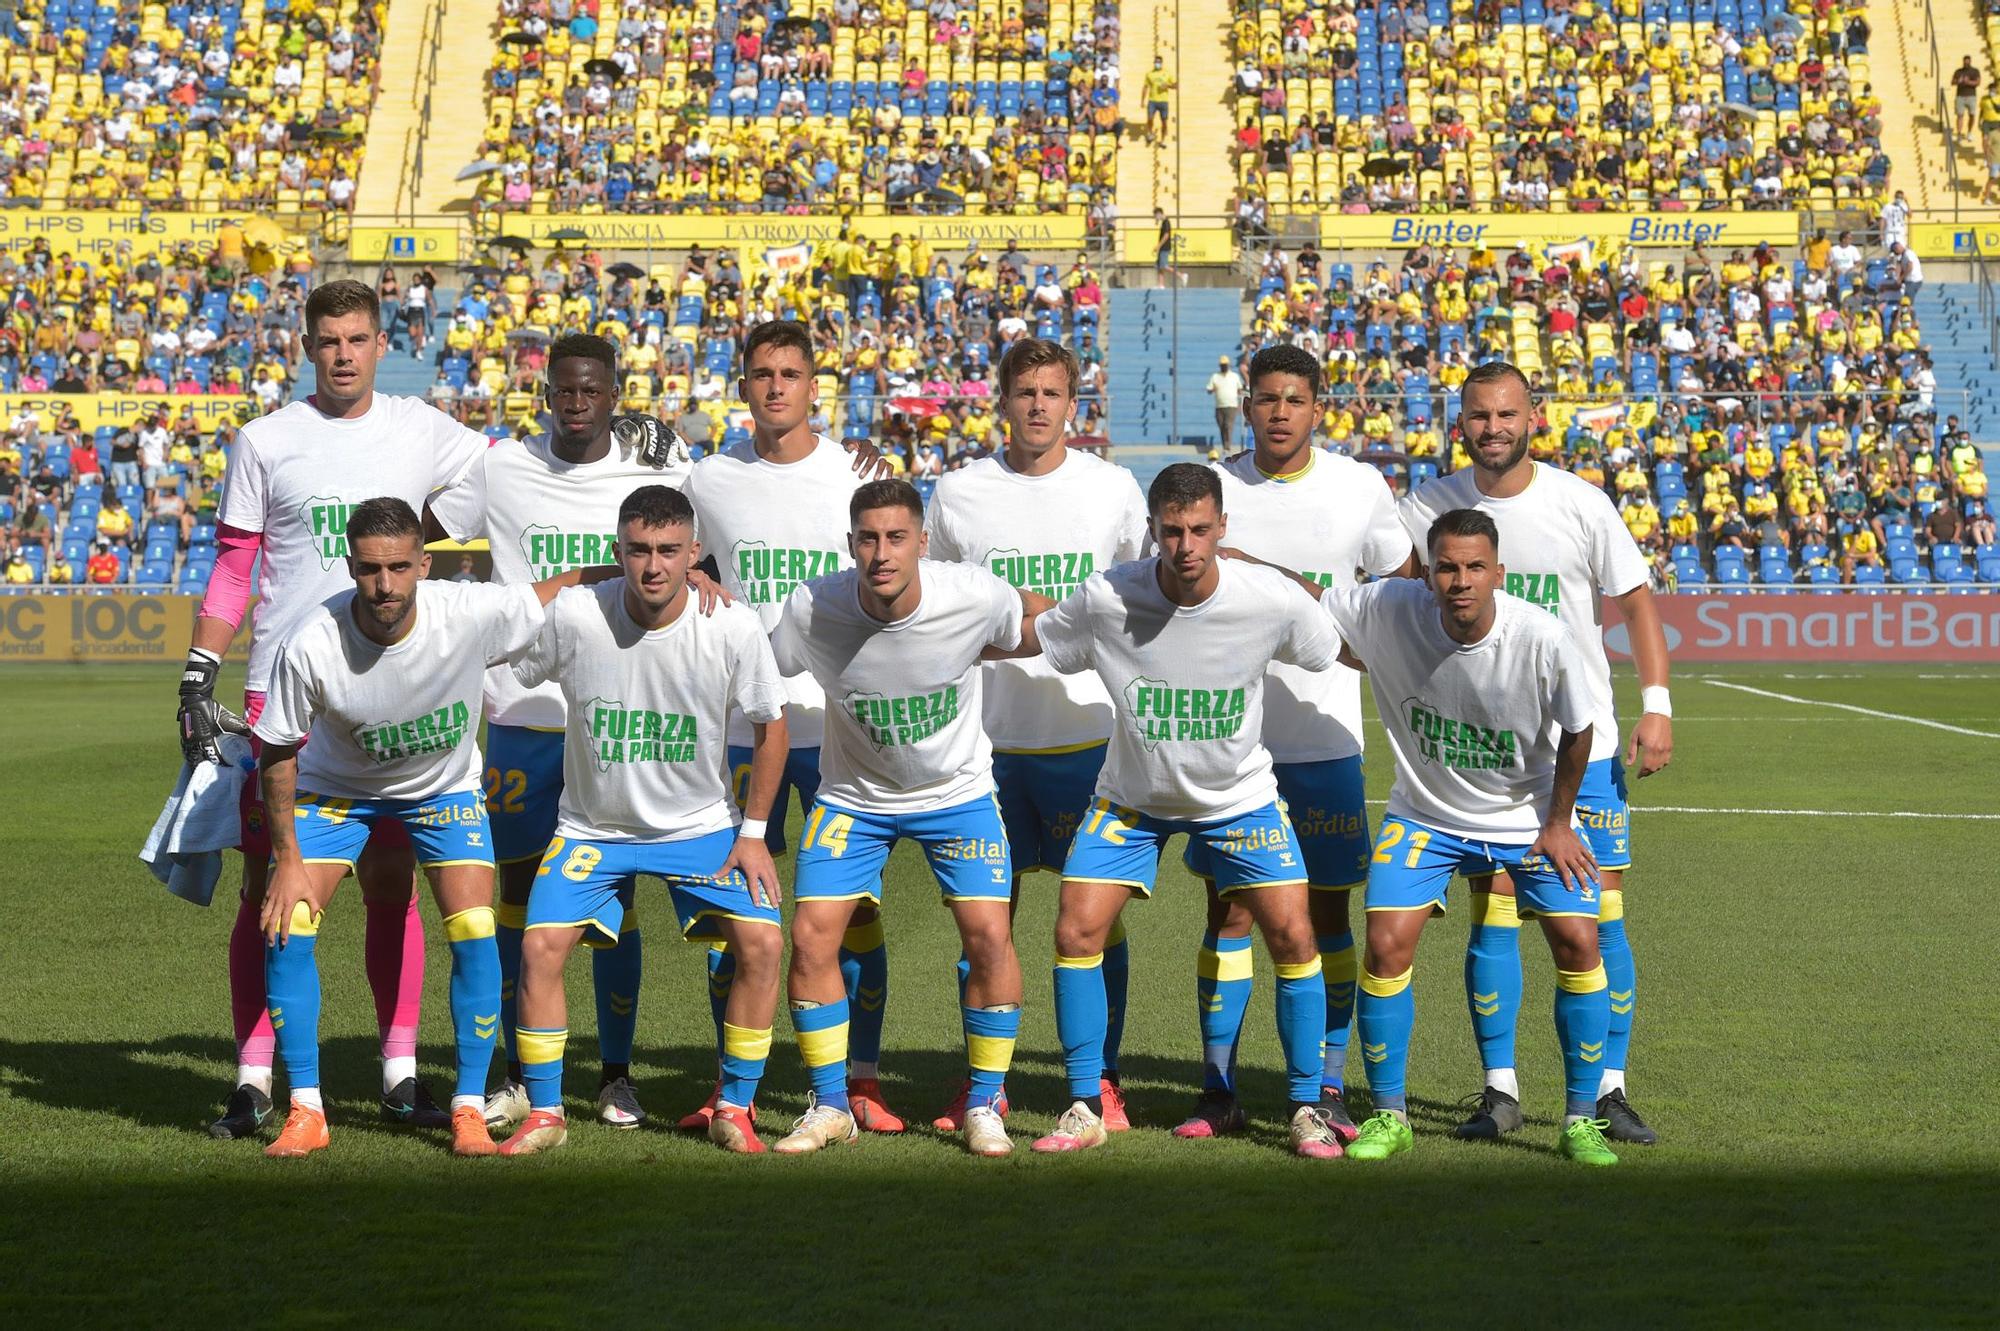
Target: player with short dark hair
[
  {"x": 1299, "y": 506},
  {"x": 648, "y": 682},
  {"x": 293, "y": 477},
  {"x": 895, "y": 643},
  {"x": 1183, "y": 643},
  {"x": 1566, "y": 546},
  {"x": 394, "y": 695}
]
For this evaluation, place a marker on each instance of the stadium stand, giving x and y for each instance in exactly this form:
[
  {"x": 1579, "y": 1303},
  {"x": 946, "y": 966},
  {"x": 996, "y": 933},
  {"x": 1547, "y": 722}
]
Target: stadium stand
[
  {"x": 908, "y": 340},
  {"x": 214, "y": 104},
  {"x": 1549, "y": 104},
  {"x": 1761, "y": 421},
  {"x": 1005, "y": 106}
]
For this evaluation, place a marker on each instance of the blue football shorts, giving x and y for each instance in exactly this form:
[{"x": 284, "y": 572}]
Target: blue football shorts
[
  {"x": 590, "y": 885},
  {"x": 1329, "y": 812},
  {"x": 1413, "y": 865},
  {"x": 1043, "y": 798},
  {"x": 524, "y": 785},
  {"x": 1123, "y": 846},
  {"x": 445, "y": 829},
  {"x": 843, "y": 852}
]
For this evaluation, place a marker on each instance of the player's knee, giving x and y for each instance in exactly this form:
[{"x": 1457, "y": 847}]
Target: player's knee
[
  {"x": 544, "y": 950},
  {"x": 1078, "y": 938},
  {"x": 758, "y": 949},
  {"x": 1291, "y": 942},
  {"x": 1573, "y": 943}
]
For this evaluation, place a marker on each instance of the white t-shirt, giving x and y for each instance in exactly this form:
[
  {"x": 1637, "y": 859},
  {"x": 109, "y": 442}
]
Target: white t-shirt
[
  {"x": 1187, "y": 682},
  {"x": 1473, "y": 727},
  {"x": 644, "y": 752},
  {"x": 1562, "y": 542},
  {"x": 294, "y": 475},
  {"x": 1047, "y": 534},
  {"x": 771, "y": 527},
  {"x": 542, "y": 516},
  {"x": 902, "y": 717},
  {"x": 398, "y": 722},
  {"x": 1331, "y": 522}
]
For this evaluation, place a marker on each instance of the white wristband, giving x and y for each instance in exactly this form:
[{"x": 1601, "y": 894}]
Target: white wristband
[
  {"x": 1655, "y": 701},
  {"x": 753, "y": 828}
]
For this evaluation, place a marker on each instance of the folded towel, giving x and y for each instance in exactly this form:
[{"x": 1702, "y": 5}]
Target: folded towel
[{"x": 199, "y": 822}]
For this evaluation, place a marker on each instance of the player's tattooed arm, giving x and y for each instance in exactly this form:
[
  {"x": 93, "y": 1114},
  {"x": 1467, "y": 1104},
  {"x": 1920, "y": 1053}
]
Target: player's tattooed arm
[
  {"x": 1312, "y": 589},
  {"x": 1559, "y": 842},
  {"x": 1652, "y": 744},
  {"x": 279, "y": 773},
  {"x": 771, "y": 743}
]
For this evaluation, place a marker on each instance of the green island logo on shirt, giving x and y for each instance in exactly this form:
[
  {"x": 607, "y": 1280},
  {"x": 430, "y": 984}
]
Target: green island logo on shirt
[
  {"x": 627, "y": 735},
  {"x": 325, "y": 519},
  {"x": 767, "y": 573},
  {"x": 1164, "y": 711},
  {"x": 1542, "y": 589},
  {"x": 889, "y": 722},
  {"x": 1054, "y": 575},
  {"x": 550, "y": 550},
  {"x": 433, "y": 732},
  {"x": 1449, "y": 742}
]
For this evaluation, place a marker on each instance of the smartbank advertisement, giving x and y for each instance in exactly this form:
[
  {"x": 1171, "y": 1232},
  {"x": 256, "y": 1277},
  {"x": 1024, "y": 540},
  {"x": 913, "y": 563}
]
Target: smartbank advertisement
[{"x": 1848, "y": 626}]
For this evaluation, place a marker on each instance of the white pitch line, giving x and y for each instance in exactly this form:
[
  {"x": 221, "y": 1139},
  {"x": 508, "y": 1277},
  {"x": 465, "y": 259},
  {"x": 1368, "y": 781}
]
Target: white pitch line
[{"x": 1850, "y": 707}]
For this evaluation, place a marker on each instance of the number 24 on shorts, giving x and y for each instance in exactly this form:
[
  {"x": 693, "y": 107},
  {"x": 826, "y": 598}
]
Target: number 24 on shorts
[{"x": 828, "y": 832}]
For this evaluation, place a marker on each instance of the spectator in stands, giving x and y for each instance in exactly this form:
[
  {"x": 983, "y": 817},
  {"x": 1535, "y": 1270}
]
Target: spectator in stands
[
  {"x": 32, "y": 526},
  {"x": 103, "y": 568},
  {"x": 60, "y": 572},
  {"x": 1964, "y": 97},
  {"x": 19, "y": 571},
  {"x": 114, "y": 520}
]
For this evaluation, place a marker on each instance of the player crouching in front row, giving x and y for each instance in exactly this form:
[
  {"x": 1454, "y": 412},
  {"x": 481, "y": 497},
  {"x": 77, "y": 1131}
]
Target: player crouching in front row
[
  {"x": 649, "y": 681},
  {"x": 391, "y": 697}
]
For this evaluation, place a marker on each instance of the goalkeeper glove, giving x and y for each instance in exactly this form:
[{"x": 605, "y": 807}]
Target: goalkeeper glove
[
  {"x": 203, "y": 720},
  {"x": 651, "y": 440}
]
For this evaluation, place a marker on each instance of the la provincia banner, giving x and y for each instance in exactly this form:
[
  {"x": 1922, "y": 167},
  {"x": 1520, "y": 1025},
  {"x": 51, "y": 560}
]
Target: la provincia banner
[
  {"x": 1803, "y": 626},
  {"x": 760, "y": 231}
]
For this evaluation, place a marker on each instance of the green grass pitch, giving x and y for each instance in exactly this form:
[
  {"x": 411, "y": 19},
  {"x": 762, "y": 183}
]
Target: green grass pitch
[{"x": 1816, "y": 1044}]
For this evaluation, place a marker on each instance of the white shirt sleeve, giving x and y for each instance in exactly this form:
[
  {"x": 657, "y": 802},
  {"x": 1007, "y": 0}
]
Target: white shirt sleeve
[
  {"x": 1568, "y": 684},
  {"x": 789, "y": 639},
  {"x": 1065, "y": 630},
  {"x": 541, "y": 660},
  {"x": 1616, "y": 562},
  {"x": 288, "y": 703},
  {"x": 943, "y": 545},
  {"x": 1386, "y": 544},
  {"x": 461, "y": 509},
  {"x": 755, "y": 685},
  {"x": 511, "y": 618},
  {"x": 1138, "y": 524},
  {"x": 242, "y": 503},
  {"x": 1003, "y": 629},
  {"x": 455, "y": 450},
  {"x": 1309, "y": 641}
]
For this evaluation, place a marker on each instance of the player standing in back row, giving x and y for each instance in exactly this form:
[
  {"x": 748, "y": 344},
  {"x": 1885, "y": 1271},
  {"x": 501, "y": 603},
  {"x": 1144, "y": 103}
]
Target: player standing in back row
[
  {"x": 1044, "y": 517},
  {"x": 293, "y": 477},
  {"x": 773, "y": 515},
  {"x": 1564, "y": 544},
  {"x": 1298, "y": 506}
]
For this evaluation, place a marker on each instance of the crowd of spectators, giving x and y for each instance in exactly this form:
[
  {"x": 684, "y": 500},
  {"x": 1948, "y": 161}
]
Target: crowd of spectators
[
  {"x": 1746, "y": 411},
  {"x": 908, "y": 340},
  {"x": 195, "y": 104},
  {"x": 857, "y": 105},
  {"x": 1430, "y": 105}
]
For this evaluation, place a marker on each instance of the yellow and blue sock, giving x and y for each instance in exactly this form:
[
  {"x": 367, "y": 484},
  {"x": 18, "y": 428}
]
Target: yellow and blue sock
[
  {"x": 744, "y": 1053},
  {"x": 990, "y": 1033},
  {"x": 1341, "y": 966},
  {"x": 823, "y": 1043},
  {"x": 1080, "y": 1021},
  {"x": 1622, "y": 979},
  {"x": 1493, "y": 977},
  {"x": 1117, "y": 980},
  {"x": 1583, "y": 1014},
  {"x": 721, "y": 980},
  {"x": 1385, "y": 1013},
  {"x": 510, "y": 923},
  {"x": 1302, "y": 1026},
  {"x": 864, "y": 966},
  {"x": 1222, "y": 993},
  {"x": 475, "y": 996},
  {"x": 291, "y": 988},
  {"x": 542, "y": 1064},
  {"x": 615, "y": 976}
]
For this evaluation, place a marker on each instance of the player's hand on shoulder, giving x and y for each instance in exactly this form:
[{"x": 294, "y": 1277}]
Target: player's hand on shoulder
[
  {"x": 1651, "y": 747},
  {"x": 709, "y": 594},
  {"x": 868, "y": 462},
  {"x": 651, "y": 441}
]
